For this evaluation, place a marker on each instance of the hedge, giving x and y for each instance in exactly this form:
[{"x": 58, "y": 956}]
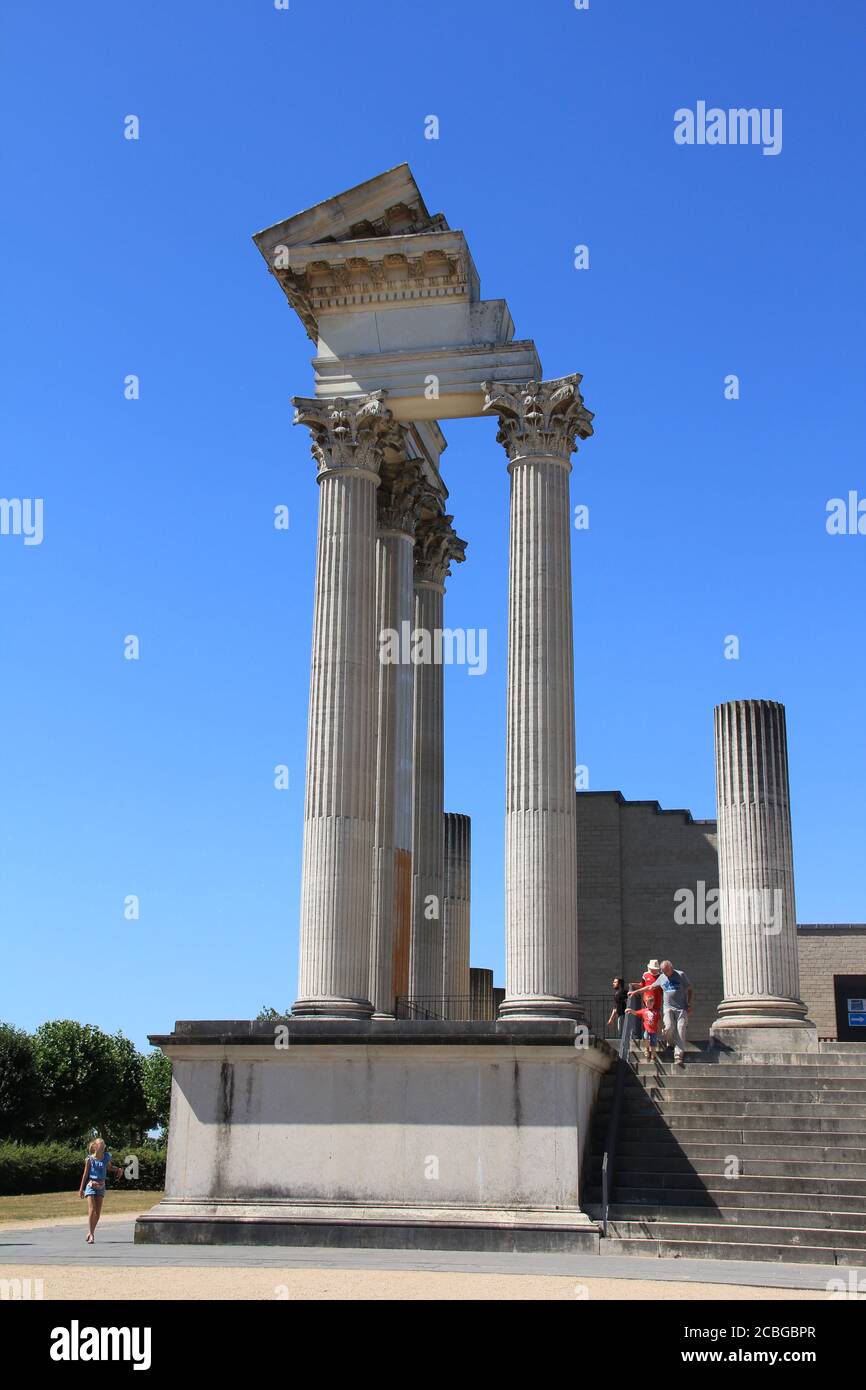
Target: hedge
[{"x": 27, "y": 1168}]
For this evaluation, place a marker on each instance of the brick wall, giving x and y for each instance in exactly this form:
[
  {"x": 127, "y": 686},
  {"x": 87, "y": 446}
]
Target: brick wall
[
  {"x": 633, "y": 857},
  {"x": 826, "y": 951}
]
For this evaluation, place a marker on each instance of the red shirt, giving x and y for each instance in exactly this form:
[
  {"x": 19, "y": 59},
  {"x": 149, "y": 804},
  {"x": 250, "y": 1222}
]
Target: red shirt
[
  {"x": 648, "y": 977},
  {"x": 650, "y": 1020}
]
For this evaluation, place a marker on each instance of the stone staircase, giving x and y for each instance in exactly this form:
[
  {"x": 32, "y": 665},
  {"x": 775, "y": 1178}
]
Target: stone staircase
[{"x": 794, "y": 1130}]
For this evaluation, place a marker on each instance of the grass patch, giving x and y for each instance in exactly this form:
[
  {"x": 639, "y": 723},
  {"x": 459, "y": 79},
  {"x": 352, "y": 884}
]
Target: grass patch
[{"x": 43, "y": 1206}]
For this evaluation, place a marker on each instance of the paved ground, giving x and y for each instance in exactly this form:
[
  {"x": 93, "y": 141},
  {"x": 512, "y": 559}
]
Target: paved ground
[{"x": 57, "y": 1255}]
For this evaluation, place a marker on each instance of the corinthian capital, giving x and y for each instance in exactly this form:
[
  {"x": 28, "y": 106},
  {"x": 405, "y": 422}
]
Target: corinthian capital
[
  {"x": 539, "y": 417},
  {"x": 437, "y": 545},
  {"x": 346, "y": 434},
  {"x": 399, "y": 496}
]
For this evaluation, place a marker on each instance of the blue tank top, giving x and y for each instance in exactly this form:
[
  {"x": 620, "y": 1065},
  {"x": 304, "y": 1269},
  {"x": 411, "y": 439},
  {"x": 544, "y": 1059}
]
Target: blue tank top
[{"x": 97, "y": 1168}]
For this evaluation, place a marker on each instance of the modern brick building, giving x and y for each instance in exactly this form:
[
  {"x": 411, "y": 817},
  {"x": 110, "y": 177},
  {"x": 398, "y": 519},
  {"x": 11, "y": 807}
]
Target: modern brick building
[{"x": 647, "y": 886}]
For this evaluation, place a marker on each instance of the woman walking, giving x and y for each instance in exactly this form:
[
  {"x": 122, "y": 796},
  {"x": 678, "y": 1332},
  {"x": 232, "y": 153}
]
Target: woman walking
[{"x": 96, "y": 1166}]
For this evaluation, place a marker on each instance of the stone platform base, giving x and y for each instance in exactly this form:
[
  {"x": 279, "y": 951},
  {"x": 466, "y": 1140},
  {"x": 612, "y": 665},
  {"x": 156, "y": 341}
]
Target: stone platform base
[
  {"x": 385, "y": 1133},
  {"x": 782, "y": 1039},
  {"x": 368, "y": 1228}
]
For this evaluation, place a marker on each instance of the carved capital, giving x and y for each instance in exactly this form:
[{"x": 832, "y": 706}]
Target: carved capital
[
  {"x": 347, "y": 434},
  {"x": 400, "y": 497},
  {"x": 437, "y": 546},
  {"x": 543, "y": 418}
]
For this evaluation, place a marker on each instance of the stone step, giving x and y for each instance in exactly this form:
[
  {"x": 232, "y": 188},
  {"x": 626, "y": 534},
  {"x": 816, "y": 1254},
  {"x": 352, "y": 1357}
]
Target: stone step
[
  {"x": 708, "y": 1167},
  {"x": 815, "y": 1186},
  {"x": 696, "y": 1151},
  {"x": 819, "y": 1065},
  {"x": 720, "y": 1109},
  {"x": 734, "y": 1197},
  {"x": 786, "y": 1218},
  {"x": 698, "y": 1088},
  {"x": 724, "y": 1250},
  {"x": 740, "y": 1234},
  {"x": 749, "y": 1130}
]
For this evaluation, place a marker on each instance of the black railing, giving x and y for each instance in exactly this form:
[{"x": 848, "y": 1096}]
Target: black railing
[
  {"x": 596, "y": 1011},
  {"x": 608, "y": 1162}
]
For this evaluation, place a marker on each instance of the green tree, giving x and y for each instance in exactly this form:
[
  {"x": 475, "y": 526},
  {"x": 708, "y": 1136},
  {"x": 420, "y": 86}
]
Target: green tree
[
  {"x": 19, "y": 1084},
  {"x": 126, "y": 1108},
  {"x": 78, "y": 1079},
  {"x": 156, "y": 1075}
]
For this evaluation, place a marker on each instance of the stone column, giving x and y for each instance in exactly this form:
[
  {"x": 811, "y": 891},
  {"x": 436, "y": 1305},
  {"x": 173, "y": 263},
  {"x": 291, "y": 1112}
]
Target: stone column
[
  {"x": 539, "y": 424},
  {"x": 333, "y": 969},
  {"x": 436, "y": 546},
  {"x": 761, "y": 1008},
  {"x": 455, "y": 949},
  {"x": 481, "y": 1009},
  {"x": 392, "y": 838}
]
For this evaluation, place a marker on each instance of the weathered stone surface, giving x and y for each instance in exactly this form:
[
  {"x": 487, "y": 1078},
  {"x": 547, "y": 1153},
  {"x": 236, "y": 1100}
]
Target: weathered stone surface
[
  {"x": 456, "y": 910},
  {"x": 399, "y": 1132},
  {"x": 437, "y": 545},
  {"x": 333, "y": 967},
  {"x": 756, "y": 881},
  {"x": 539, "y": 423}
]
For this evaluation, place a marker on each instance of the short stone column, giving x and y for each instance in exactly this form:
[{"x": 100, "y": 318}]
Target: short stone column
[
  {"x": 761, "y": 1009},
  {"x": 539, "y": 424},
  {"x": 392, "y": 839},
  {"x": 455, "y": 949},
  {"x": 336, "y": 888},
  {"x": 481, "y": 1006},
  {"x": 436, "y": 546}
]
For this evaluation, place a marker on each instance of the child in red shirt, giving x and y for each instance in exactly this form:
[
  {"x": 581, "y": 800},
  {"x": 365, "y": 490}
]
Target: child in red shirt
[{"x": 649, "y": 1016}]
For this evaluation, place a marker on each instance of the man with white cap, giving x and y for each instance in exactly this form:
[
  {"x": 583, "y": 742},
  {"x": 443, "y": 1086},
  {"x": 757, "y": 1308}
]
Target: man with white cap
[{"x": 676, "y": 991}]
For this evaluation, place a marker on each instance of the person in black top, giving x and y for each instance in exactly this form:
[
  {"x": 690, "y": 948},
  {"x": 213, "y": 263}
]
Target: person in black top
[{"x": 620, "y": 1002}]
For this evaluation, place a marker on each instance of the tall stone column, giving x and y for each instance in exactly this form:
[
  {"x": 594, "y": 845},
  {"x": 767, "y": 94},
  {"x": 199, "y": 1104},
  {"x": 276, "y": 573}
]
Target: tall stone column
[
  {"x": 539, "y": 424},
  {"x": 761, "y": 1008},
  {"x": 436, "y": 546},
  {"x": 392, "y": 839},
  {"x": 455, "y": 950},
  {"x": 339, "y": 808}
]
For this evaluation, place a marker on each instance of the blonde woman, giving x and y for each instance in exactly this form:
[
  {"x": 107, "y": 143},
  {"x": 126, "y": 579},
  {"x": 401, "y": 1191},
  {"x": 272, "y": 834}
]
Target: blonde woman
[{"x": 96, "y": 1166}]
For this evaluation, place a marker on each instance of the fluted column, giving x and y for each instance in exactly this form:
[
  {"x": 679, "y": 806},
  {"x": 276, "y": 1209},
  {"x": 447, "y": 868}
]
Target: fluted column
[
  {"x": 539, "y": 424},
  {"x": 392, "y": 838},
  {"x": 756, "y": 878},
  {"x": 436, "y": 546},
  {"x": 455, "y": 949},
  {"x": 338, "y": 814}
]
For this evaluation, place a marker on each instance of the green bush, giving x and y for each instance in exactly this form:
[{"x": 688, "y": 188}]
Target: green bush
[{"x": 27, "y": 1168}]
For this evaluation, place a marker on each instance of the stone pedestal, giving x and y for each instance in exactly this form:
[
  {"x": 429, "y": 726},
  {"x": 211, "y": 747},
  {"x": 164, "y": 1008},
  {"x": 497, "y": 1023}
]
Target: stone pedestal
[
  {"x": 539, "y": 425},
  {"x": 761, "y": 1008},
  {"x": 421, "y": 1135}
]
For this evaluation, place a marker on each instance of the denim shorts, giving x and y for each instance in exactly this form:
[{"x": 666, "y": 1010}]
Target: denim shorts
[{"x": 91, "y": 1191}]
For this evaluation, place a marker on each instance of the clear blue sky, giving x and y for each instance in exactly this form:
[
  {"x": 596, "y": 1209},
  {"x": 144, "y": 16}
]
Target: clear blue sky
[{"x": 707, "y": 516}]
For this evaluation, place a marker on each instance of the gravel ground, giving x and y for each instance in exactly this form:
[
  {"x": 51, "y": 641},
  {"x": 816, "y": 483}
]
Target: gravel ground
[{"x": 121, "y": 1282}]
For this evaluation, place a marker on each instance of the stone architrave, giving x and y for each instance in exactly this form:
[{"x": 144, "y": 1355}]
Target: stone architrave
[
  {"x": 539, "y": 425},
  {"x": 437, "y": 545},
  {"x": 392, "y": 840},
  {"x": 337, "y": 875},
  {"x": 761, "y": 1008},
  {"x": 455, "y": 949}
]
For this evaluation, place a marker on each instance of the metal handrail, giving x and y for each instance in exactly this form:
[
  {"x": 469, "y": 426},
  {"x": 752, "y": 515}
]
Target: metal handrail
[{"x": 608, "y": 1162}]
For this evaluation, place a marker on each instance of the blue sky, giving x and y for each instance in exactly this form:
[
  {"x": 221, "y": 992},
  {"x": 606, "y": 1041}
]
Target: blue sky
[{"x": 707, "y": 516}]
